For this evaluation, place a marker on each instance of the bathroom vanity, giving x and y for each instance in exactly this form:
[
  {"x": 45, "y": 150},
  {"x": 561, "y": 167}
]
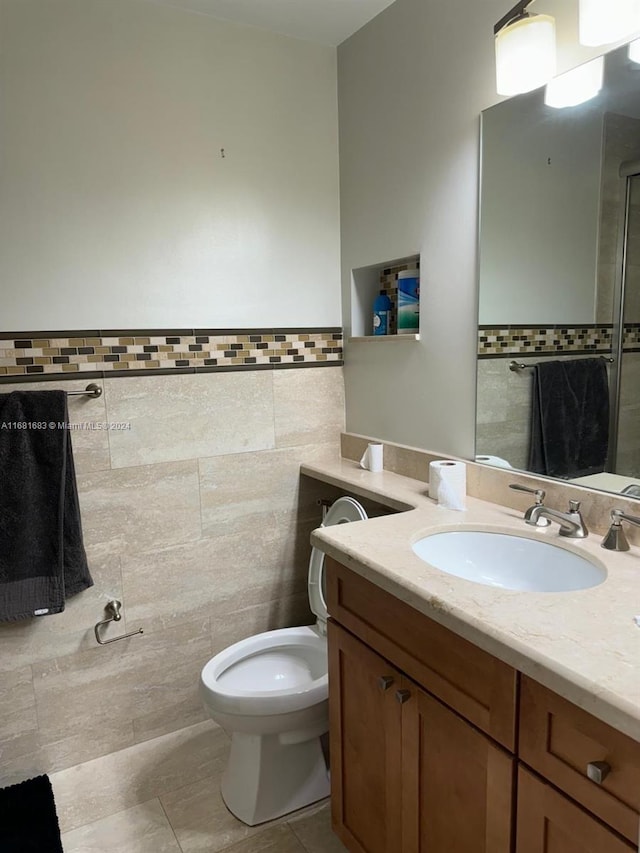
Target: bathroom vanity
[
  {"x": 429, "y": 734},
  {"x": 459, "y": 723}
]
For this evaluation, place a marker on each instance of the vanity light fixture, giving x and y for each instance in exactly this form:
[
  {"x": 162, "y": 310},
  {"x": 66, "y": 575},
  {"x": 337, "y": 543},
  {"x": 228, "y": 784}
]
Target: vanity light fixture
[
  {"x": 525, "y": 50},
  {"x": 575, "y": 86},
  {"x": 634, "y": 51},
  {"x": 606, "y": 21}
]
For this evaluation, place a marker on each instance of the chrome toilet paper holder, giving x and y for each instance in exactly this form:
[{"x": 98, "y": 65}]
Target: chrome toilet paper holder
[{"x": 113, "y": 607}]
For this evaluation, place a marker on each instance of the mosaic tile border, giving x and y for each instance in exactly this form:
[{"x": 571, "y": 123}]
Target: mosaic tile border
[
  {"x": 129, "y": 352},
  {"x": 631, "y": 339},
  {"x": 501, "y": 342}
]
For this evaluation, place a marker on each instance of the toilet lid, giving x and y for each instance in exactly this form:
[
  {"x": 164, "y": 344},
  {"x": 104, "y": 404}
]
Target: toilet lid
[{"x": 343, "y": 510}]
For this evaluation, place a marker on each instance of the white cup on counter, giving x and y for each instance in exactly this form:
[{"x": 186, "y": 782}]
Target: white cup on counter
[{"x": 372, "y": 459}]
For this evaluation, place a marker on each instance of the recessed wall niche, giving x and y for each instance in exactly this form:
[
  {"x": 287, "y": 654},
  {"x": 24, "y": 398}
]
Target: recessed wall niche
[{"x": 366, "y": 284}]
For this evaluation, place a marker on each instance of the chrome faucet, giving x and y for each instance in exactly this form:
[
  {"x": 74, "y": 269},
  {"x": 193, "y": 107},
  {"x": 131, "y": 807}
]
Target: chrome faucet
[
  {"x": 571, "y": 523},
  {"x": 615, "y": 540},
  {"x": 539, "y": 496}
]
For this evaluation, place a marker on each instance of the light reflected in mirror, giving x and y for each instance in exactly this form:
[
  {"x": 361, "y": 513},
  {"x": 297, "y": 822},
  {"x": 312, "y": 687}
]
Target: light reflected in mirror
[{"x": 560, "y": 281}]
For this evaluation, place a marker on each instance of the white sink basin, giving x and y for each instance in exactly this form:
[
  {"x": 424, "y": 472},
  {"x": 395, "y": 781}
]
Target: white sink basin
[{"x": 508, "y": 562}]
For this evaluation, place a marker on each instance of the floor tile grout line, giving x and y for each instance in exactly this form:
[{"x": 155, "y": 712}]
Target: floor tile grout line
[
  {"x": 122, "y": 812},
  {"x": 187, "y": 785},
  {"x": 297, "y": 837},
  {"x": 160, "y": 796},
  {"x": 267, "y": 827},
  {"x": 173, "y": 832},
  {"x": 282, "y": 821},
  {"x": 131, "y": 746}
]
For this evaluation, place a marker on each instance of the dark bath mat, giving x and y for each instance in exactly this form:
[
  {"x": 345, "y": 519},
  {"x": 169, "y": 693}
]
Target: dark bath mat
[{"x": 28, "y": 819}]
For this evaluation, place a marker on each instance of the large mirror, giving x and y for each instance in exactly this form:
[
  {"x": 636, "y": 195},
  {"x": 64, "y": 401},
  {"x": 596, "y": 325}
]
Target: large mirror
[{"x": 560, "y": 283}]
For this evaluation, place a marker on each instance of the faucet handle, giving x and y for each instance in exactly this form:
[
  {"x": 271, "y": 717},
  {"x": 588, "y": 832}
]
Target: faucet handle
[
  {"x": 540, "y": 494},
  {"x": 618, "y": 515},
  {"x": 615, "y": 539},
  {"x": 574, "y": 512}
]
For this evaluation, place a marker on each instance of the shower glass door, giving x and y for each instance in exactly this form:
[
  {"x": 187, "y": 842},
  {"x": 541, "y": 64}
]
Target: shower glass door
[{"x": 627, "y": 459}]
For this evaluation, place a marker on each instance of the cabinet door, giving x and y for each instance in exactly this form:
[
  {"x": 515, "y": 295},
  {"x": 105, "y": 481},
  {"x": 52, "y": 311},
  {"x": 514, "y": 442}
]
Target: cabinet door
[
  {"x": 365, "y": 745},
  {"x": 561, "y": 741},
  {"x": 549, "y": 822},
  {"x": 458, "y": 785}
]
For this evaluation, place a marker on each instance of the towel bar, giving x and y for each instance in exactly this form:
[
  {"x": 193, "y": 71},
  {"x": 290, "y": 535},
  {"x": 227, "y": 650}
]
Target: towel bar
[
  {"x": 113, "y": 607},
  {"x": 91, "y": 390},
  {"x": 519, "y": 365}
]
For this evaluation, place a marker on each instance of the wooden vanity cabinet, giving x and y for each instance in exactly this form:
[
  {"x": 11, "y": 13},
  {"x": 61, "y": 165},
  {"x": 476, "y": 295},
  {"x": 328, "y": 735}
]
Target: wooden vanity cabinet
[
  {"x": 366, "y": 746},
  {"x": 475, "y": 684},
  {"x": 407, "y": 773},
  {"x": 424, "y": 755},
  {"x": 457, "y": 784}
]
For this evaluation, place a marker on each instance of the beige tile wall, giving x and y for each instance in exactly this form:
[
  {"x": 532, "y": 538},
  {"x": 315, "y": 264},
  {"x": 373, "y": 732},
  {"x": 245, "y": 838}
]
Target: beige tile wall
[
  {"x": 492, "y": 484},
  {"x": 197, "y": 520},
  {"x": 628, "y": 456},
  {"x": 503, "y": 410}
]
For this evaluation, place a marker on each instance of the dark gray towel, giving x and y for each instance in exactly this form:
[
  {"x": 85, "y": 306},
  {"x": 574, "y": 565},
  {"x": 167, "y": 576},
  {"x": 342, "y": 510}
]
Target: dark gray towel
[
  {"x": 570, "y": 418},
  {"x": 42, "y": 556}
]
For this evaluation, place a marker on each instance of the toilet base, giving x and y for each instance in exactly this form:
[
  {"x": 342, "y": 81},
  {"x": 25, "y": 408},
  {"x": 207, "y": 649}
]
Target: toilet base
[{"x": 266, "y": 778}]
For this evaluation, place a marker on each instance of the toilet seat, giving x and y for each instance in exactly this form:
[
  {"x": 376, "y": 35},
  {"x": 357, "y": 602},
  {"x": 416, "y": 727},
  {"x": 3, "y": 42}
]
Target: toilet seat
[
  {"x": 244, "y": 677},
  {"x": 342, "y": 511}
]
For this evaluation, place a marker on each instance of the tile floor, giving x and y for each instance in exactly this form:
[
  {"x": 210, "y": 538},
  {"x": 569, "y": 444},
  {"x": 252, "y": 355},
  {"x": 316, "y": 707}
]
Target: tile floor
[{"x": 163, "y": 796}]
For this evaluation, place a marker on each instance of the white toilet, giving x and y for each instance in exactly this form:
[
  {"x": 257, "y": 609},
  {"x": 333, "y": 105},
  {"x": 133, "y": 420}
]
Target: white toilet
[{"x": 270, "y": 692}]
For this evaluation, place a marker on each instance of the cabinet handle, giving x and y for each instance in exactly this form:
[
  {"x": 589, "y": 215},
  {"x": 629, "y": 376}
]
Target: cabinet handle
[
  {"x": 403, "y": 696},
  {"x": 385, "y": 682},
  {"x": 598, "y": 771}
]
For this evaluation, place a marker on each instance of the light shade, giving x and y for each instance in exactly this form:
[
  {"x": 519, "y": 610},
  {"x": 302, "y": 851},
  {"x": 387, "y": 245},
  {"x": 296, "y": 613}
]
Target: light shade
[
  {"x": 576, "y": 86},
  {"x": 525, "y": 54},
  {"x": 634, "y": 51},
  {"x": 606, "y": 21}
]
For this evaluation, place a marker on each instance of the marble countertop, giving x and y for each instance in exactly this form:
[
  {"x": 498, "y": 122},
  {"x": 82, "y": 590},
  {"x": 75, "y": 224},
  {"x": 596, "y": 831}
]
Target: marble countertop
[{"x": 584, "y": 645}]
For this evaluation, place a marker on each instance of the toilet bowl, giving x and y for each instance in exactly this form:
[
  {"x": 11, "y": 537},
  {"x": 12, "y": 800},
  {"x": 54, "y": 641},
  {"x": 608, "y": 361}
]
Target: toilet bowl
[{"x": 270, "y": 692}]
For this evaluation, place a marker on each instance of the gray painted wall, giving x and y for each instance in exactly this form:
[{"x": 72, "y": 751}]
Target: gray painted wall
[
  {"x": 117, "y": 210},
  {"x": 540, "y": 212},
  {"x": 412, "y": 84},
  {"x": 411, "y": 87}
]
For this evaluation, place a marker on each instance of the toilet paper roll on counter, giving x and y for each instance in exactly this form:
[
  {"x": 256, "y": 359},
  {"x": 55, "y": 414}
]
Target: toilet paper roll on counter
[
  {"x": 448, "y": 483},
  {"x": 372, "y": 458}
]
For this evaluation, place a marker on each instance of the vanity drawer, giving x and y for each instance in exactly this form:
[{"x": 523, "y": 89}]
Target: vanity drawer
[
  {"x": 475, "y": 684},
  {"x": 547, "y": 822},
  {"x": 560, "y": 740}
]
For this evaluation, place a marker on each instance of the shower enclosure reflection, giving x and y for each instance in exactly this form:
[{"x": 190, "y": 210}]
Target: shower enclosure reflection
[
  {"x": 560, "y": 262},
  {"x": 626, "y": 447}
]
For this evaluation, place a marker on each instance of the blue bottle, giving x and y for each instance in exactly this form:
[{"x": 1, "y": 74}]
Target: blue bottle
[{"x": 381, "y": 314}]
